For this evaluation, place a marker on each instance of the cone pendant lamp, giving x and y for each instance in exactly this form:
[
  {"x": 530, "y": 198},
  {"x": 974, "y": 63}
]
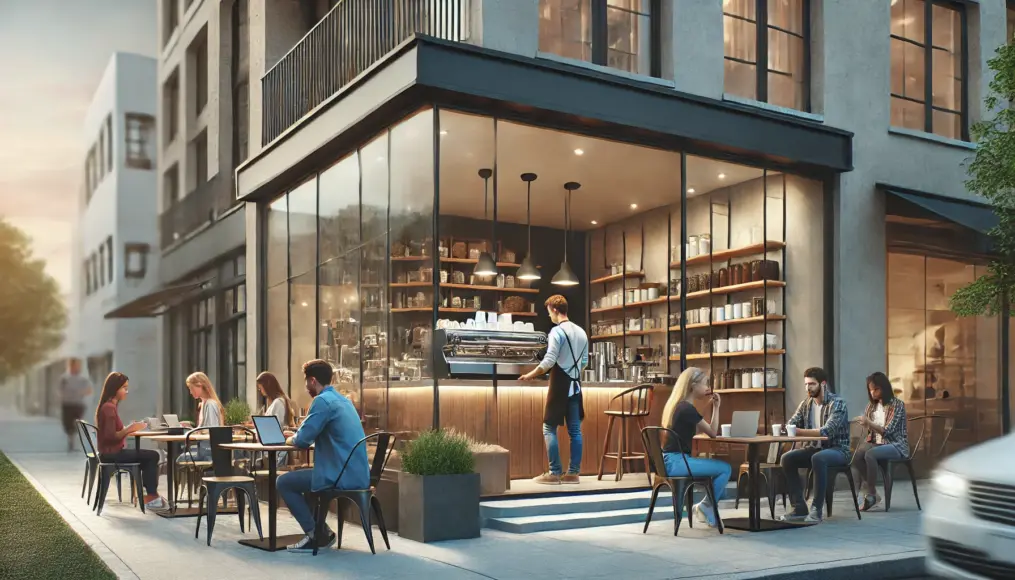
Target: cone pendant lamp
[
  {"x": 486, "y": 266},
  {"x": 528, "y": 270},
  {"x": 565, "y": 276}
]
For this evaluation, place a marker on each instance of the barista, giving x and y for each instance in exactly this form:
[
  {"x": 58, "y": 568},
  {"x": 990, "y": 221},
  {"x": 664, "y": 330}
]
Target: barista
[{"x": 567, "y": 354}]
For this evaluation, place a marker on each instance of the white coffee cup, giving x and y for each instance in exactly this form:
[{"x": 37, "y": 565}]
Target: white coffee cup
[
  {"x": 777, "y": 430},
  {"x": 726, "y": 429},
  {"x": 154, "y": 423},
  {"x": 791, "y": 430}
]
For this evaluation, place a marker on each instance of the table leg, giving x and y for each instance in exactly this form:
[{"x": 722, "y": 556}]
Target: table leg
[
  {"x": 753, "y": 521},
  {"x": 272, "y": 501},
  {"x": 170, "y": 474}
]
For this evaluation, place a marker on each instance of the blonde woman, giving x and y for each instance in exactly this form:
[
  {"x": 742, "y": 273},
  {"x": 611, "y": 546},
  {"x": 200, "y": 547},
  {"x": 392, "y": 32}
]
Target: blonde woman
[
  {"x": 210, "y": 413},
  {"x": 683, "y": 418}
]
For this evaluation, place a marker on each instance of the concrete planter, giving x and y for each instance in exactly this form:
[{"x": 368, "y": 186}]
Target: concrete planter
[
  {"x": 493, "y": 468},
  {"x": 435, "y": 508}
]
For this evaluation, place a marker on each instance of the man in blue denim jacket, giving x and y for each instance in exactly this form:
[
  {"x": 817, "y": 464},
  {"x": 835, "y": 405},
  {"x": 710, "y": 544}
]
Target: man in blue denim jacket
[{"x": 333, "y": 426}]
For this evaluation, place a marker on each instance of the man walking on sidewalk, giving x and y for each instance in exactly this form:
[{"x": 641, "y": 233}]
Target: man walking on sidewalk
[{"x": 74, "y": 389}]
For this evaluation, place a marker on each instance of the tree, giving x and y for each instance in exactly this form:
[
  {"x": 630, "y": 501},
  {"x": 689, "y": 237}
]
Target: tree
[
  {"x": 32, "y": 313},
  {"x": 992, "y": 175}
]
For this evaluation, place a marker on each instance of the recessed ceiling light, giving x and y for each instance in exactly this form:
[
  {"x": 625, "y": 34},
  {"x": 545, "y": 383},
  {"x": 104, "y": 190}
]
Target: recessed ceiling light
[
  {"x": 579, "y": 152},
  {"x": 380, "y": 159},
  {"x": 304, "y": 304},
  {"x": 595, "y": 223},
  {"x": 722, "y": 176},
  {"x": 443, "y": 132},
  {"x": 690, "y": 190},
  {"x": 634, "y": 206}
]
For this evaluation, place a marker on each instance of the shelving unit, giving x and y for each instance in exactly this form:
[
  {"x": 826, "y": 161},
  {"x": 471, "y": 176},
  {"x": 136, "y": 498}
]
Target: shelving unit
[
  {"x": 615, "y": 277},
  {"x": 753, "y": 319},
  {"x": 743, "y": 353},
  {"x": 726, "y": 255}
]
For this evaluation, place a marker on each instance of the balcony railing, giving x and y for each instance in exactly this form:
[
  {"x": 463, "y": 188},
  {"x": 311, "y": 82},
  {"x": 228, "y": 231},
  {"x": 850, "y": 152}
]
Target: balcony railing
[
  {"x": 202, "y": 206},
  {"x": 349, "y": 39}
]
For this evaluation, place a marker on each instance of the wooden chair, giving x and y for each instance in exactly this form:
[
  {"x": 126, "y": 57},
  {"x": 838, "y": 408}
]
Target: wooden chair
[
  {"x": 365, "y": 499},
  {"x": 634, "y": 405},
  {"x": 887, "y": 466},
  {"x": 680, "y": 487},
  {"x": 771, "y": 473}
]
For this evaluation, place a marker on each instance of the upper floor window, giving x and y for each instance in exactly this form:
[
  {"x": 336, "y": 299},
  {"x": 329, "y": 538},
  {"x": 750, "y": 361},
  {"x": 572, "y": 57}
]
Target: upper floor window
[
  {"x": 197, "y": 60},
  {"x": 138, "y": 129},
  {"x": 171, "y": 106},
  {"x": 929, "y": 67},
  {"x": 170, "y": 19},
  {"x": 1011, "y": 22},
  {"x": 109, "y": 142},
  {"x": 776, "y": 34},
  {"x": 621, "y": 34}
]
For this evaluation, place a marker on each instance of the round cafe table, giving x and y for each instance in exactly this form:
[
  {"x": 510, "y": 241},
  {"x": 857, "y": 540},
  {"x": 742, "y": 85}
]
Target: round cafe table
[
  {"x": 753, "y": 522},
  {"x": 272, "y": 543}
]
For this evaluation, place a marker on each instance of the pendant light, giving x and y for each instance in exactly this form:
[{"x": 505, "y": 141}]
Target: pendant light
[
  {"x": 528, "y": 270},
  {"x": 486, "y": 266},
  {"x": 565, "y": 276}
]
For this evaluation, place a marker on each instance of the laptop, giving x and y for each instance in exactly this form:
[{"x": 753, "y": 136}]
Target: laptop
[
  {"x": 171, "y": 420},
  {"x": 269, "y": 431},
  {"x": 745, "y": 424}
]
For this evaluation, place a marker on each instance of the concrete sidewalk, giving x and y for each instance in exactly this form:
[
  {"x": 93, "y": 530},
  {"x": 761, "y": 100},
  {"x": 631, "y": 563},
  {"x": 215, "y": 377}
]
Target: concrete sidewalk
[{"x": 150, "y": 547}]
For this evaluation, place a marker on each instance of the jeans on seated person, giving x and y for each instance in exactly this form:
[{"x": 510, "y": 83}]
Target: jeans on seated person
[
  {"x": 816, "y": 459},
  {"x": 292, "y": 486},
  {"x": 574, "y": 433},
  {"x": 718, "y": 470},
  {"x": 199, "y": 452},
  {"x": 865, "y": 463}
]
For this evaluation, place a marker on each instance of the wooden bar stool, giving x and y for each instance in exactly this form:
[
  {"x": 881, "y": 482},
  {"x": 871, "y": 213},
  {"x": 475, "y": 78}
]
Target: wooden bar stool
[{"x": 634, "y": 404}]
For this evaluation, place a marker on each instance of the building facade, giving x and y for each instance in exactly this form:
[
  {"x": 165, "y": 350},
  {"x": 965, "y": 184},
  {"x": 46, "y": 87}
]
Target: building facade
[{"x": 115, "y": 232}]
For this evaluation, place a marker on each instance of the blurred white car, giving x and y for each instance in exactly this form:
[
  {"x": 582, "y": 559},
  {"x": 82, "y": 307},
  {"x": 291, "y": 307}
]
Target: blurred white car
[{"x": 969, "y": 520}]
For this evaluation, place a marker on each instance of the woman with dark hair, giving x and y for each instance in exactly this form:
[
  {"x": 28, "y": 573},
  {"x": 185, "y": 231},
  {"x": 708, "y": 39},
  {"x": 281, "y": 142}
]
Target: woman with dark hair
[
  {"x": 277, "y": 404},
  {"x": 885, "y": 421},
  {"x": 112, "y": 436}
]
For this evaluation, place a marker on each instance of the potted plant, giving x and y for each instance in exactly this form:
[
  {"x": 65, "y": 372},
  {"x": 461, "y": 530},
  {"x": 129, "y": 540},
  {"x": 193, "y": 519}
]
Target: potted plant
[
  {"x": 493, "y": 464},
  {"x": 237, "y": 412},
  {"x": 438, "y": 489}
]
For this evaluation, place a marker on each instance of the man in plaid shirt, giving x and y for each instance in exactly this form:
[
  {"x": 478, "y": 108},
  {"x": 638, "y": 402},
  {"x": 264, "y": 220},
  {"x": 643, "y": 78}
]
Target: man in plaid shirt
[{"x": 821, "y": 414}]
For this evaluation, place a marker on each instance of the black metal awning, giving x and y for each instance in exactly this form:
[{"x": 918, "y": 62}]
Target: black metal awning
[
  {"x": 978, "y": 217},
  {"x": 158, "y": 302},
  {"x": 934, "y": 225}
]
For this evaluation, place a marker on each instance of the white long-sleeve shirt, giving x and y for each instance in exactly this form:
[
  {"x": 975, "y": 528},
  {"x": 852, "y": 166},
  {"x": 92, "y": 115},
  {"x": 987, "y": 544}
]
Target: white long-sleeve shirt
[{"x": 558, "y": 353}]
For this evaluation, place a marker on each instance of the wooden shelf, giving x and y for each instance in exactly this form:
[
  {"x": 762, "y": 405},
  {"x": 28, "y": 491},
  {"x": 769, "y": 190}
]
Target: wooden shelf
[
  {"x": 760, "y": 284},
  {"x": 629, "y": 333},
  {"x": 751, "y": 320},
  {"x": 725, "y": 255},
  {"x": 413, "y": 309},
  {"x": 491, "y": 288},
  {"x": 640, "y": 304},
  {"x": 701, "y": 356},
  {"x": 456, "y": 311},
  {"x": 520, "y": 313},
  {"x": 411, "y": 285},
  {"x": 750, "y": 390},
  {"x": 615, "y": 277},
  {"x": 471, "y": 261},
  {"x": 410, "y": 258}
]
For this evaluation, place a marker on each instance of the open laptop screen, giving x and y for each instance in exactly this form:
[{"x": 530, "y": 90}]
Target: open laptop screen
[
  {"x": 171, "y": 419},
  {"x": 269, "y": 432}
]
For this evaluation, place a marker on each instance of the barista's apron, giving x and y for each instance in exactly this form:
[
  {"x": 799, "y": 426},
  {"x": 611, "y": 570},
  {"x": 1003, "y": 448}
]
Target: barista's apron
[{"x": 555, "y": 413}]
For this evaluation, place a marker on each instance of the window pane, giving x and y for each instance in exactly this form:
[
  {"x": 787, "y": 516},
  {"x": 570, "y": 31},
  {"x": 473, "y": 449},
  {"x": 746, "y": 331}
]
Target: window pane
[
  {"x": 947, "y": 124},
  {"x": 277, "y": 334},
  {"x": 339, "y": 205},
  {"x": 374, "y": 288},
  {"x": 304, "y": 332},
  {"x": 786, "y": 70},
  {"x": 277, "y": 243},
  {"x": 1011, "y": 24},
  {"x": 628, "y": 35},
  {"x": 740, "y": 79},
  {"x": 787, "y": 15},
  {"x": 740, "y": 39},
  {"x": 740, "y": 43},
  {"x": 742, "y": 8},
  {"x": 908, "y": 69},
  {"x": 908, "y": 20},
  {"x": 303, "y": 228},
  {"x": 947, "y": 66},
  {"x": 565, "y": 28},
  {"x": 907, "y": 114}
]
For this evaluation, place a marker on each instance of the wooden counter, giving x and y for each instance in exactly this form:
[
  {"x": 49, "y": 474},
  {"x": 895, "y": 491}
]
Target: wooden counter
[{"x": 510, "y": 415}]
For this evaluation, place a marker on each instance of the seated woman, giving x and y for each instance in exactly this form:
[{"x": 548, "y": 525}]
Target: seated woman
[
  {"x": 112, "y": 435},
  {"x": 277, "y": 404},
  {"x": 210, "y": 414},
  {"x": 683, "y": 418},
  {"x": 885, "y": 420}
]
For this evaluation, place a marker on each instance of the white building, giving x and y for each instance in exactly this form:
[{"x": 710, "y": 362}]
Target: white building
[{"x": 117, "y": 230}]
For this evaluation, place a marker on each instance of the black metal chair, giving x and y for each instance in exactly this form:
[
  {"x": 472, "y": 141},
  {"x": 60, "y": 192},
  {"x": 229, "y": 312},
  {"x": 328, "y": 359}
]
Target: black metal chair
[
  {"x": 91, "y": 458},
  {"x": 833, "y": 474},
  {"x": 365, "y": 499},
  {"x": 681, "y": 487},
  {"x": 224, "y": 479},
  {"x": 887, "y": 466},
  {"x": 105, "y": 470},
  {"x": 189, "y": 466},
  {"x": 771, "y": 473}
]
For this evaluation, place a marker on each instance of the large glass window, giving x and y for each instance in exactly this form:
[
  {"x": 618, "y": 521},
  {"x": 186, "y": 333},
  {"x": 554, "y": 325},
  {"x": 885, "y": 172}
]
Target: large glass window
[
  {"x": 374, "y": 294},
  {"x": 615, "y": 33},
  {"x": 302, "y": 285},
  {"x": 772, "y": 31},
  {"x": 929, "y": 67}
]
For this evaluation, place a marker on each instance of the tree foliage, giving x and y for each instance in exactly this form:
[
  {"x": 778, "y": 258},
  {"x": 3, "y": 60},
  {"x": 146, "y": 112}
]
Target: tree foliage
[
  {"x": 32, "y": 313},
  {"x": 992, "y": 175}
]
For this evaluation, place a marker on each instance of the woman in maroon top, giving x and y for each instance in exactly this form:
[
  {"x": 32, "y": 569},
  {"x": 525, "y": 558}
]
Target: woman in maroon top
[{"x": 112, "y": 436}]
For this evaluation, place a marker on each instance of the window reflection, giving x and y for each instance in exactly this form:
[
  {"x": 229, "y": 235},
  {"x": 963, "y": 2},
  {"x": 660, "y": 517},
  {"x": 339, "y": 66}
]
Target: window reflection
[
  {"x": 568, "y": 28},
  {"x": 783, "y": 26}
]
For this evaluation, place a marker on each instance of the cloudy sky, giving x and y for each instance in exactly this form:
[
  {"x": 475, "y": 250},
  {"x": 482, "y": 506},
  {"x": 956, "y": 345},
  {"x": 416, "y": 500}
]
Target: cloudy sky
[{"x": 55, "y": 52}]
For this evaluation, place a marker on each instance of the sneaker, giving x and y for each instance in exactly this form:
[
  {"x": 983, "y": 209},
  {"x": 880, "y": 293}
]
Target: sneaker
[
  {"x": 547, "y": 479},
  {"x": 570, "y": 478},
  {"x": 793, "y": 517},
  {"x": 871, "y": 503},
  {"x": 814, "y": 517},
  {"x": 703, "y": 514},
  {"x": 306, "y": 543},
  {"x": 157, "y": 504}
]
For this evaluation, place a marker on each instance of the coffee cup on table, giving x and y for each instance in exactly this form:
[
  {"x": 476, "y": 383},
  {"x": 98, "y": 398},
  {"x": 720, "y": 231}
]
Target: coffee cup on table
[
  {"x": 726, "y": 429},
  {"x": 153, "y": 423},
  {"x": 776, "y": 430},
  {"x": 791, "y": 430}
]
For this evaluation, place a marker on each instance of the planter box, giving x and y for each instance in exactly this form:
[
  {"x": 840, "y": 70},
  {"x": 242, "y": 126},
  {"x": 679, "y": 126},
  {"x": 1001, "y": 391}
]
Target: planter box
[
  {"x": 493, "y": 468},
  {"x": 435, "y": 508}
]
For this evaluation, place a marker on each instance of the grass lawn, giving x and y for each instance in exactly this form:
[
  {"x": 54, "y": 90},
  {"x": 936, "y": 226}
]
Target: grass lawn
[{"x": 35, "y": 542}]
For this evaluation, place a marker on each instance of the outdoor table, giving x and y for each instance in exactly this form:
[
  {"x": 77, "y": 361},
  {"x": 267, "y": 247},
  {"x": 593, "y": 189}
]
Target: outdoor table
[
  {"x": 754, "y": 523},
  {"x": 171, "y": 441},
  {"x": 271, "y": 543}
]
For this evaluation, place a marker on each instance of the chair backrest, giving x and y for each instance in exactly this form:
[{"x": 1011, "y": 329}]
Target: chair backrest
[
  {"x": 651, "y": 437},
  {"x": 634, "y": 401},
  {"x": 385, "y": 444},
  {"x": 186, "y": 441},
  {"x": 85, "y": 431},
  {"x": 221, "y": 459},
  {"x": 928, "y": 430}
]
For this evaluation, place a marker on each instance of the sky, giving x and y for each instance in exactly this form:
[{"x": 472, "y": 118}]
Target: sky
[{"x": 54, "y": 54}]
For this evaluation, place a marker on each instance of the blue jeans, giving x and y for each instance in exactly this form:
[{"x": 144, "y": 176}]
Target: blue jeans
[
  {"x": 291, "y": 486},
  {"x": 818, "y": 460},
  {"x": 574, "y": 432},
  {"x": 865, "y": 463},
  {"x": 718, "y": 470}
]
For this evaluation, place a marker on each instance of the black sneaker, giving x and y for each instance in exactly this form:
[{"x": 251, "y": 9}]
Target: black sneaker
[{"x": 306, "y": 543}]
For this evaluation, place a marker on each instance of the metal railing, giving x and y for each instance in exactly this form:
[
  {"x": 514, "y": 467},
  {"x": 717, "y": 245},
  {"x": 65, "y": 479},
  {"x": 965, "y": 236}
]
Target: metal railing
[
  {"x": 202, "y": 206},
  {"x": 348, "y": 40}
]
